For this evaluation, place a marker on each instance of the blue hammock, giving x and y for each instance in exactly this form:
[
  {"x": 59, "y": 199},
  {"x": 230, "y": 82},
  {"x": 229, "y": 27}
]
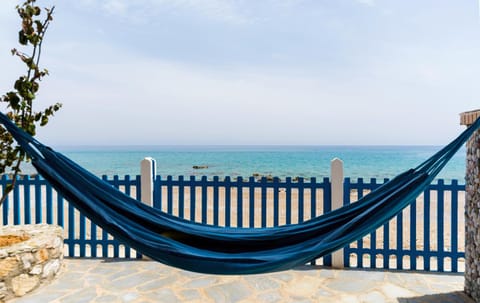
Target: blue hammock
[{"x": 223, "y": 250}]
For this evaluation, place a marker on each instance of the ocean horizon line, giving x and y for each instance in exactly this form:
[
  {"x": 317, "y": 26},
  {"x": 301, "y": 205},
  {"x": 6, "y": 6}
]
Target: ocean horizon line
[{"x": 230, "y": 147}]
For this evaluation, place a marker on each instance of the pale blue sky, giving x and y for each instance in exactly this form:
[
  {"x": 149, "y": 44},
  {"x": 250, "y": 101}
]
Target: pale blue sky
[{"x": 156, "y": 72}]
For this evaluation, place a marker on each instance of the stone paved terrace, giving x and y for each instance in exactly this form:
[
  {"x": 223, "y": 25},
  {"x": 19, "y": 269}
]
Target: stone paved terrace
[{"x": 82, "y": 280}]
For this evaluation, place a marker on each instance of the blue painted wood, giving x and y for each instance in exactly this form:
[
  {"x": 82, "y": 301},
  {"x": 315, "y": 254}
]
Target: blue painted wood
[
  {"x": 49, "y": 205},
  {"x": 386, "y": 245},
  {"x": 399, "y": 254},
  {"x": 157, "y": 192},
  {"x": 127, "y": 185},
  {"x": 138, "y": 188},
  {"x": 181, "y": 197},
  {"x": 454, "y": 225},
  {"x": 276, "y": 201},
  {"x": 204, "y": 188},
  {"x": 93, "y": 240},
  {"x": 16, "y": 205},
  {"x": 105, "y": 241},
  {"x": 169, "y": 196},
  {"x": 301, "y": 204},
  {"x": 373, "y": 236},
  {"x": 347, "y": 188},
  {"x": 38, "y": 199},
  {"x": 192, "y": 198},
  {"x": 440, "y": 229},
  {"x": 116, "y": 244},
  {"x": 82, "y": 235},
  {"x": 60, "y": 215},
  {"x": 288, "y": 200},
  {"x": 251, "y": 200},
  {"x": 71, "y": 231},
  {"x": 228, "y": 204},
  {"x": 426, "y": 229},
  {"x": 240, "y": 201},
  {"x": 313, "y": 197},
  {"x": 360, "y": 188},
  {"x": 263, "y": 199},
  {"x": 6, "y": 203},
  {"x": 216, "y": 202},
  {"x": 27, "y": 216},
  {"x": 413, "y": 235},
  {"x": 327, "y": 206}
]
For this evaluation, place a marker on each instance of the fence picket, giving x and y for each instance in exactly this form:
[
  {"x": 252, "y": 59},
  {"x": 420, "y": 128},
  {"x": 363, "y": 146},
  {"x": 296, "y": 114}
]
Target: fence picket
[
  {"x": 251, "y": 201},
  {"x": 228, "y": 202},
  {"x": 204, "y": 187},
  {"x": 426, "y": 230},
  {"x": 216, "y": 202},
  {"x": 38, "y": 199},
  {"x": 27, "y": 217},
  {"x": 16, "y": 205},
  {"x": 263, "y": 201},
  {"x": 239, "y": 202},
  {"x": 288, "y": 200},
  {"x": 6, "y": 203},
  {"x": 454, "y": 225},
  {"x": 169, "y": 196},
  {"x": 413, "y": 235},
  {"x": 440, "y": 229}
]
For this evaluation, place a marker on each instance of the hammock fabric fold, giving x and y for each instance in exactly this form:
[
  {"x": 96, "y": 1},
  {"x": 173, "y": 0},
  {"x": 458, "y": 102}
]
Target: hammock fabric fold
[{"x": 221, "y": 250}]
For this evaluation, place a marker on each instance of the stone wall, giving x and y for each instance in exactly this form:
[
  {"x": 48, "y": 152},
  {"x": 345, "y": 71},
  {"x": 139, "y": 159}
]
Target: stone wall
[
  {"x": 472, "y": 211},
  {"x": 26, "y": 265}
]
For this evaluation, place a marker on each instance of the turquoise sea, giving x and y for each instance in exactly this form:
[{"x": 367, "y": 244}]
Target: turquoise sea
[{"x": 281, "y": 161}]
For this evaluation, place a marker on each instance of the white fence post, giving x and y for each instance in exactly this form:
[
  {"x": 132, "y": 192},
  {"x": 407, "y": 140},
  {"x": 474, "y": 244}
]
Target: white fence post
[
  {"x": 147, "y": 175},
  {"x": 336, "y": 177}
]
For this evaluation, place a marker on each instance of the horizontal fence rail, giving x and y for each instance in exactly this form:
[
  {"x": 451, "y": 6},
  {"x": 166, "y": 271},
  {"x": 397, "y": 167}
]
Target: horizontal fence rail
[{"x": 428, "y": 235}]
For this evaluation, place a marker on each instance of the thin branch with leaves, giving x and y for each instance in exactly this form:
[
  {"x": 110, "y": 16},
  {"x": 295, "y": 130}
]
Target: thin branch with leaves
[{"x": 19, "y": 101}]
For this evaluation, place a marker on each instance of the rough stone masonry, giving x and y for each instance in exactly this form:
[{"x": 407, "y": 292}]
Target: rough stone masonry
[
  {"x": 26, "y": 265},
  {"x": 472, "y": 210}
]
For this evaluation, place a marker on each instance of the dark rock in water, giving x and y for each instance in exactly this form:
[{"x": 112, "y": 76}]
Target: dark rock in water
[
  {"x": 200, "y": 166},
  {"x": 265, "y": 178}
]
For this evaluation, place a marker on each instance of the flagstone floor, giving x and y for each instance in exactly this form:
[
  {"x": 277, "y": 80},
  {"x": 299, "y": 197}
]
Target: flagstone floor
[{"x": 87, "y": 280}]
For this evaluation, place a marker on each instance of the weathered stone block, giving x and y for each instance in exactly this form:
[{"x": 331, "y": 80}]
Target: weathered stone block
[
  {"x": 24, "y": 283},
  {"x": 8, "y": 267},
  {"x": 51, "y": 268},
  {"x": 41, "y": 255}
]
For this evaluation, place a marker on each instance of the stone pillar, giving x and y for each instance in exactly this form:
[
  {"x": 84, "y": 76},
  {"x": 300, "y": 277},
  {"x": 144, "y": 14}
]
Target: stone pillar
[{"x": 472, "y": 209}]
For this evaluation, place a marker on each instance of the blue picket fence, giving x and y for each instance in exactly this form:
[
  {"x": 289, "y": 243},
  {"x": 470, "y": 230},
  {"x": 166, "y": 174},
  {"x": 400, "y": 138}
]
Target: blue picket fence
[{"x": 428, "y": 235}]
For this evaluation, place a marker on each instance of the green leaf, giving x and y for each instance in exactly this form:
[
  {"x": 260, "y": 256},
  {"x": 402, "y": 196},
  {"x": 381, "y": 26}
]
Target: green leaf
[
  {"x": 22, "y": 38},
  {"x": 39, "y": 26},
  {"x": 44, "y": 121}
]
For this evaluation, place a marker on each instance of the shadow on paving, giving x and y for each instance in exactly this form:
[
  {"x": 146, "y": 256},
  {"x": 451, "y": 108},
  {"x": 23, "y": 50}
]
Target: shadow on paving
[{"x": 449, "y": 297}]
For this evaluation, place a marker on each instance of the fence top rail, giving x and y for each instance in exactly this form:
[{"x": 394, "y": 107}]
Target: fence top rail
[
  {"x": 242, "y": 182},
  {"x": 164, "y": 180},
  {"x": 437, "y": 183}
]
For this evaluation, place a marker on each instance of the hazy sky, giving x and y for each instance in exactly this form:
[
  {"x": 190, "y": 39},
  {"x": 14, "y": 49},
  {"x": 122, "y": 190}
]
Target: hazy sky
[{"x": 156, "y": 72}]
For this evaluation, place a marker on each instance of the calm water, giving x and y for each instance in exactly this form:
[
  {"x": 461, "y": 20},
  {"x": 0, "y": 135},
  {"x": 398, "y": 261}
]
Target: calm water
[{"x": 281, "y": 161}]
